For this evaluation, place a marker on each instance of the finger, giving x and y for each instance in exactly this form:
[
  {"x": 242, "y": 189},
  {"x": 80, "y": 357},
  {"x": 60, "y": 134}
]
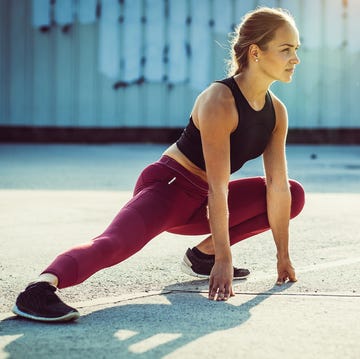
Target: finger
[
  {"x": 224, "y": 293},
  {"x": 228, "y": 292},
  {"x": 211, "y": 282},
  {"x": 212, "y": 292},
  {"x": 231, "y": 290},
  {"x": 292, "y": 276},
  {"x": 221, "y": 296},
  {"x": 285, "y": 277},
  {"x": 220, "y": 293}
]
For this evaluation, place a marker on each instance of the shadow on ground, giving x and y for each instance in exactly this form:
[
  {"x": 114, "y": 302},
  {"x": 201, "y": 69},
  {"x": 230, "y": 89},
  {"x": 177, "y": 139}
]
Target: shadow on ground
[{"x": 150, "y": 327}]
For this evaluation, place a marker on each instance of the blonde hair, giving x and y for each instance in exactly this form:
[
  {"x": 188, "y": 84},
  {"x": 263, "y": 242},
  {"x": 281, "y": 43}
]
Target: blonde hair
[{"x": 257, "y": 27}]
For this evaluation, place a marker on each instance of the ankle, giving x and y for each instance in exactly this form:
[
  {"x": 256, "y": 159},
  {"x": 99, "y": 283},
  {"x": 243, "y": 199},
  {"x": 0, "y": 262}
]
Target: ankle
[
  {"x": 49, "y": 278},
  {"x": 206, "y": 246},
  {"x": 202, "y": 255},
  {"x": 206, "y": 249}
]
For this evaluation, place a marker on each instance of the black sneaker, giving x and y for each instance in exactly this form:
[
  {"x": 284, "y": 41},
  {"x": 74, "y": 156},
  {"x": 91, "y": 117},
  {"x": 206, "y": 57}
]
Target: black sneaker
[
  {"x": 201, "y": 268},
  {"x": 39, "y": 302}
]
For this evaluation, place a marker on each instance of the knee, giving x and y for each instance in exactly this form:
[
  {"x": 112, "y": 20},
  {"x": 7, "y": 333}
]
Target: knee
[{"x": 297, "y": 198}]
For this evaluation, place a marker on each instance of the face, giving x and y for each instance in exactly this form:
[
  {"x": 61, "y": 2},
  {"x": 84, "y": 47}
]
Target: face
[{"x": 279, "y": 60}]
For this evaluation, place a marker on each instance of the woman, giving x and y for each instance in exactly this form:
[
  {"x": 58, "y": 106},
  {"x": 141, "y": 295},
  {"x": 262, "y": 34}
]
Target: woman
[{"x": 188, "y": 191}]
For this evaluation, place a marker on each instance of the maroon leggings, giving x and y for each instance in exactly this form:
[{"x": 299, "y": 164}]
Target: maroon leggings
[{"x": 167, "y": 197}]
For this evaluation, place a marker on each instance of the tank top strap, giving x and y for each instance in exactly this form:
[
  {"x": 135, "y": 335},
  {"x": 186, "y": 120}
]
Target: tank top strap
[
  {"x": 240, "y": 100},
  {"x": 232, "y": 85}
]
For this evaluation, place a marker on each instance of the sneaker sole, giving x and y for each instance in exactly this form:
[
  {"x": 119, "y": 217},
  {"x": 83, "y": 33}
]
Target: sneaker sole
[
  {"x": 65, "y": 318},
  {"x": 185, "y": 268}
]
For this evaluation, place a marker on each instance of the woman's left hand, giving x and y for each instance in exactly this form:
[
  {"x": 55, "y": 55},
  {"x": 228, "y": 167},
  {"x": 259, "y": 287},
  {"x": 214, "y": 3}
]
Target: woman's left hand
[{"x": 285, "y": 271}]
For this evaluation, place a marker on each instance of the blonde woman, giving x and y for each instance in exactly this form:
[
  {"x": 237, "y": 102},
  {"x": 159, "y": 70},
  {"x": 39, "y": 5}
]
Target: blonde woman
[{"x": 188, "y": 190}]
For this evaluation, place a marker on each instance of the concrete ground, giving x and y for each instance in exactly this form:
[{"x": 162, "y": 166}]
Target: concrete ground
[{"x": 53, "y": 197}]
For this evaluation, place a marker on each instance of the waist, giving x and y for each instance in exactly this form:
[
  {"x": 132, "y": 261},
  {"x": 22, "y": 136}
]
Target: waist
[
  {"x": 184, "y": 172},
  {"x": 176, "y": 154}
]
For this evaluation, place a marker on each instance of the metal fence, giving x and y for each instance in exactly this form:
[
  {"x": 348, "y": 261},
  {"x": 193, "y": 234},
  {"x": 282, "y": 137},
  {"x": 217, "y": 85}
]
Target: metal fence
[{"x": 141, "y": 63}]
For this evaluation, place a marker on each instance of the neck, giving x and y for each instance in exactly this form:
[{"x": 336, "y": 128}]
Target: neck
[{"x": 253, "y": 84}]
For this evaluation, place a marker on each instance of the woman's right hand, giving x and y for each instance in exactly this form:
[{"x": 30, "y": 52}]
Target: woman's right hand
[{"x": 221, "y": 277}]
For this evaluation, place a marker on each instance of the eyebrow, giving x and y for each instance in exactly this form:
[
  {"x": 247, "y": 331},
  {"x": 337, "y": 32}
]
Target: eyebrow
[{"x": 290, "y": 45}]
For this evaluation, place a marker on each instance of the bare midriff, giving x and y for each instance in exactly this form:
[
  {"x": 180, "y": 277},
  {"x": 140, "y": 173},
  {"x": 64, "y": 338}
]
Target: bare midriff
[{"x": 179, "y": 157}]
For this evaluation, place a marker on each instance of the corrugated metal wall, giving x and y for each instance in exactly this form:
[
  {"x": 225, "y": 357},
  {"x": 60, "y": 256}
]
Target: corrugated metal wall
[{"x": 57, "y": 77}]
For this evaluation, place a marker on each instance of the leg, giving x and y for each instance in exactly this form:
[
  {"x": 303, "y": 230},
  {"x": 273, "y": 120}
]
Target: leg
[
  {"x": 156, "y": 206},
  {"x": 159, "y": 203},
  {"x": 248, "y": 213},
  {"x": 255, "y": 220}
]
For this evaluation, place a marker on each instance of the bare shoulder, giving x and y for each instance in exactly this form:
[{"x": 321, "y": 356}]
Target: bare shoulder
[
  {"x": 279, "y": 106},
  {"x": 280, "y": 111},
  {"x": 216, "y": 103},
  {"x": 218, "y": 93}
]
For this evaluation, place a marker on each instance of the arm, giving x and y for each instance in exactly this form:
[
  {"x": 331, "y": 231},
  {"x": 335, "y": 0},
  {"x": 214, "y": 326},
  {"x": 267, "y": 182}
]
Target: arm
[
  {"x": 216, "y": 117},
  {"x": 278, "y": 193}
]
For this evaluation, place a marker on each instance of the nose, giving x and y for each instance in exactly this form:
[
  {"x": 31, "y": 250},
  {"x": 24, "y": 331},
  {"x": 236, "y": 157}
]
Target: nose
[{"x": 296, "y": 60}]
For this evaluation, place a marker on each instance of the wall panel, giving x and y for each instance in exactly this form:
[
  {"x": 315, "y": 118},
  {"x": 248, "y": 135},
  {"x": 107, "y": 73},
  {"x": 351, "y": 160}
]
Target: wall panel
[
  {"x": 5, "y": 50},
  {"x": 53, "y": 78},
  {"x": 17, "y": 66}
]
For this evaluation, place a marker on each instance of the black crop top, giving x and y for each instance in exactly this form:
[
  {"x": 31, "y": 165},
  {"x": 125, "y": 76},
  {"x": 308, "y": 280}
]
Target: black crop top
[{"x": 249, "y": 139}]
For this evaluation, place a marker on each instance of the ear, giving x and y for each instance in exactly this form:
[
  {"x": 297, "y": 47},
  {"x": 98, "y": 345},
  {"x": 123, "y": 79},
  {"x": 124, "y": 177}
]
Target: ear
[{"x": 254, "y": 52}]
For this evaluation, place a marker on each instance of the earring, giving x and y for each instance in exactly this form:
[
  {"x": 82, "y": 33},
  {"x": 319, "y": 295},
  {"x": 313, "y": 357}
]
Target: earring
[{"x": 256, "y": 59}]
